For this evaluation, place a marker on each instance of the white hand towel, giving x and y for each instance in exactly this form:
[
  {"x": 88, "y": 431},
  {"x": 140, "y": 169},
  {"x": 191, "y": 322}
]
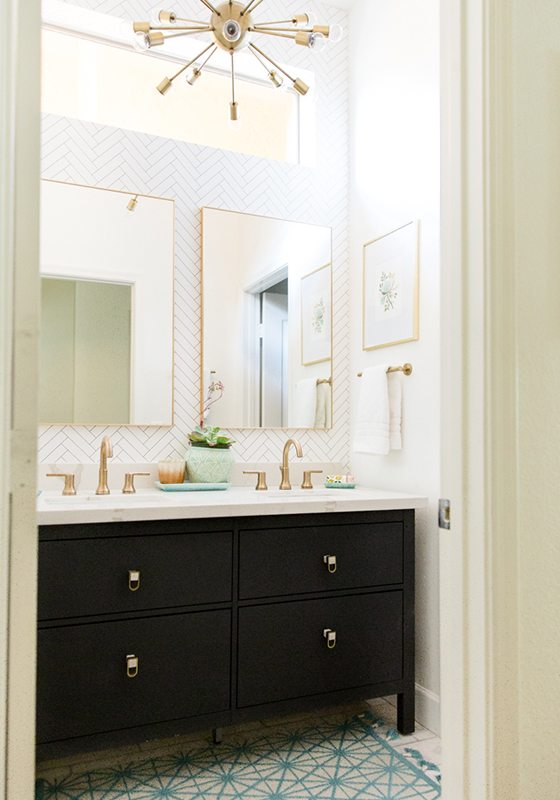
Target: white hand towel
[
  {"x": 303, "y": 415},
  {"x": 378, "y": 425},
  {"x": 373, "y": 420},
  {"x": 395, "y": 410},
  {"x": 323, "y": 407}
]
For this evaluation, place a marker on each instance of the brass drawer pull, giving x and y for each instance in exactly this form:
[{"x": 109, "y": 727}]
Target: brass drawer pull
[
  {"x": 132, "y": 666},
  {"x": 330, "y": 637},
  {"x": 330, "y": 561},
  {"x": 133, "y": 579}
]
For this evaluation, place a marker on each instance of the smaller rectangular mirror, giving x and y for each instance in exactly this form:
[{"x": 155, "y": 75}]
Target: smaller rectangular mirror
[
  {"x": 106, "y": 342},
  {"x": 267, "y": 322}
]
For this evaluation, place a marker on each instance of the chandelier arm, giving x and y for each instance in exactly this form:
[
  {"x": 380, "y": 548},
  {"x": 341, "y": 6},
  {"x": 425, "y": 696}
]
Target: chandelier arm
[
  {"x": 194, "y": 21},
  {"x": 251, "y": 5},
  {"x": 201, "y": 27},
  {"x": 210, "y": 7},
  {"x": 188, "y": 33},
  {"x": 276, "y": 22},
  {"x": 208, "y": 57},
  {"x": 267, "y": 28},
  {"x": 275, "y": 33},
  {"x": 274, "y": 64},
  {"x": 189, "y": 63},
  {"x": 259, "y": 59}
]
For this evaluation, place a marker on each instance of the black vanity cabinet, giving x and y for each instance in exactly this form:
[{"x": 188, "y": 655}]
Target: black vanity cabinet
[{"x": 151, "y": 629}]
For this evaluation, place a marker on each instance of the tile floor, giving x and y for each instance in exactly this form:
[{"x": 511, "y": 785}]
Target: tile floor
[{"x": 423, "y": 740}]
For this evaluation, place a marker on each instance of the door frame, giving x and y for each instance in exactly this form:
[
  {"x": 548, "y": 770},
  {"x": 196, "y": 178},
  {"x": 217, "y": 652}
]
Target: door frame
[
  {"x": 479, "y": 409},
  {"x": 479, "y": 374},
  {"x": 19, "y": 292}
]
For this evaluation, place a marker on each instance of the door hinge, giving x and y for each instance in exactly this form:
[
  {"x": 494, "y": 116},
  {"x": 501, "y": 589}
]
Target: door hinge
[{"x": 445, "y": 515}]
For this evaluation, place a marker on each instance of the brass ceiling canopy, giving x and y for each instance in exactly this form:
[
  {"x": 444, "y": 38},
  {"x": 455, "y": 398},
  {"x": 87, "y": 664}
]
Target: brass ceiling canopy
[{"x": 233, "y": 28}]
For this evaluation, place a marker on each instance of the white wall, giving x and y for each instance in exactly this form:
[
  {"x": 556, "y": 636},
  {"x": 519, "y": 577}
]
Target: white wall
[
  {"x": 394, "y": 96},
  {"x": 195, "y": 176}
]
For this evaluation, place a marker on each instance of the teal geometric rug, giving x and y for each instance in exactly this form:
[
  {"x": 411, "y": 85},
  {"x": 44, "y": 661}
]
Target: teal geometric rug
[{"x": 350, "y": 761}]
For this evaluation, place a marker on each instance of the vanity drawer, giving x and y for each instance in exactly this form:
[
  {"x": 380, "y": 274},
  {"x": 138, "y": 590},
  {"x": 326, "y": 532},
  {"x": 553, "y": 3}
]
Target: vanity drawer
[
  {"x": 84, "y": 577},
  {"x": 283, "y": 653},
  {"x": 291, "y": 561},
  {"x": 83, "y": 686}
]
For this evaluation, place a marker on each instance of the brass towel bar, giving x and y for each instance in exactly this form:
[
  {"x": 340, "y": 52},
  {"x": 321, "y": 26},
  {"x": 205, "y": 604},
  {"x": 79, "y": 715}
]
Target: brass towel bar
[
  {"x": 320, "y": 382},
  {"x": 406, "y": 369}
]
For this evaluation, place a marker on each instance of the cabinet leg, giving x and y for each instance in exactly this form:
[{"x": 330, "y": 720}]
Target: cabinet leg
[
  {"x": 405, "y": 713},
  {"x": 217, "y": 735}
]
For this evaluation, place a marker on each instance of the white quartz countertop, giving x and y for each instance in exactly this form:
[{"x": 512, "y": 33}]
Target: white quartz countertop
[{"x": 53, "y": 509}]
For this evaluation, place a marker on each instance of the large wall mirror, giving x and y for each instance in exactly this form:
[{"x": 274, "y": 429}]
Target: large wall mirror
[
  {"x": 267, "y": 322},
  {"x": 106, "y": 343}
]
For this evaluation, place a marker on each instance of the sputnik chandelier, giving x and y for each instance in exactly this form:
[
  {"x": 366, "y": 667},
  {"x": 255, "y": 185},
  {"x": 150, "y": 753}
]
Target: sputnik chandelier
[{"x": 233, "y": 28}]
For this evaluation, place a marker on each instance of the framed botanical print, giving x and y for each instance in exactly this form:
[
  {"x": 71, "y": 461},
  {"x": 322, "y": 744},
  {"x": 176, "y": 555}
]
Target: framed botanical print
[
  {"x": 316, "y": 316},
  {"x": 390, "y": 288}
]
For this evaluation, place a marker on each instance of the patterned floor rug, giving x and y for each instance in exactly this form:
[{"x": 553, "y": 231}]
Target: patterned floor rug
[{"x": 350, "y": 761}]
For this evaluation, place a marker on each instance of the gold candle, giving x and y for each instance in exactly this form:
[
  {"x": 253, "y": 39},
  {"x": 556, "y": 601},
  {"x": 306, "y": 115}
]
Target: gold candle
[{"x": 172, "y": 470}]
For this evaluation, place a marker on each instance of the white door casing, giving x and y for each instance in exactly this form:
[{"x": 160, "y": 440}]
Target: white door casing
[
  {"x": 19, "y": 283},
  {"x": 479, "y": 451}
]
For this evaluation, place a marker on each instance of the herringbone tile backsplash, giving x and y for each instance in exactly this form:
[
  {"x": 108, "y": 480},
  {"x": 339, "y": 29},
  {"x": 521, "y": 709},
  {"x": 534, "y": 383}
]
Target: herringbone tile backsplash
[{"x": 195, "y": 176}]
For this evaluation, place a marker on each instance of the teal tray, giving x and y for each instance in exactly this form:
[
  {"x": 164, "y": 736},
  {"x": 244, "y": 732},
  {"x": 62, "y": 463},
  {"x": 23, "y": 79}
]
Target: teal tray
[
  {"x": 340, "y": 485},
  {"x": 192, "y": 487}
]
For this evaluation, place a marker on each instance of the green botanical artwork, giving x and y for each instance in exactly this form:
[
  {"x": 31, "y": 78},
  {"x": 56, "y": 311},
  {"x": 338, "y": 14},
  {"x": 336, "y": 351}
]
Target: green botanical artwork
[
  {"x": 388, "y": 290},
  {"x": 319, "y": 318}
]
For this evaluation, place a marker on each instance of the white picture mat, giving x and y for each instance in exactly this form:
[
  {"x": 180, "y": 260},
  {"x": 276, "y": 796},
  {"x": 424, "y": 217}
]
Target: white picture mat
[
  {"x": 390, "y": 288},
  {"x": 316, "y": 299}
]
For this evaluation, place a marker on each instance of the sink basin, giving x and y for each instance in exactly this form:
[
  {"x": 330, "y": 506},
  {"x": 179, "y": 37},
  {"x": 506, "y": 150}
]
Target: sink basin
[
  {"x": 300, "y": 493},
  {"x": 115, "y": 500}
]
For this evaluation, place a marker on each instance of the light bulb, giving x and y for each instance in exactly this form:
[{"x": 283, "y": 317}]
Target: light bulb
[
  {"x": 140, "y": 41},
  {"x": 311, "y": 19},
  {"x": 336, "y": 33},
  {"x": 126, "y": 31},
  {"x": 317, "y": 42},
  {"x": 232, "y": 31},
  {"x": 193, "y": 75},
  {"x": 276, "y": 79}
]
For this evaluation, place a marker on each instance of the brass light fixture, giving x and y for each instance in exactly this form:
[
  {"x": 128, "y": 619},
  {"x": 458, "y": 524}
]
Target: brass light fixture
[{"x": 233, "y": 28}]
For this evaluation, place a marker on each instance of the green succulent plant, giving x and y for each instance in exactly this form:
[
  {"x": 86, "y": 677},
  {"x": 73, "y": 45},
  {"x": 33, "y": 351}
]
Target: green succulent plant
[{"x": 210, "y": 437}]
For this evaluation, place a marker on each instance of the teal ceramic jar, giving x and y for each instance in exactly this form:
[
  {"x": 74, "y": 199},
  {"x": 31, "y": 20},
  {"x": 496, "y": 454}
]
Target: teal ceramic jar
[{"x": 209, "y": 464}]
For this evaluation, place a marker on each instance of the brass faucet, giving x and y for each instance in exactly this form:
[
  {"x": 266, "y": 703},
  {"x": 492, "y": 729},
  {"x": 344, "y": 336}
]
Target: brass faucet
[
  {"x": 285, "y": 468},
  {"x": 105, "y": 453}
]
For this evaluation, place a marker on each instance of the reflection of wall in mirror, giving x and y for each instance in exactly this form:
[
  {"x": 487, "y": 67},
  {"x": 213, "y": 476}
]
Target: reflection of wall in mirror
[
  {"x": 239, "y": 251},
  {"x": 84, "y": 364},
  {"x": 88, "y": 234}
]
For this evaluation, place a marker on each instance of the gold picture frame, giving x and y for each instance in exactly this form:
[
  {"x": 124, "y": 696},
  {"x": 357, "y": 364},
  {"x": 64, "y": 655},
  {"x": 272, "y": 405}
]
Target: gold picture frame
[{"x": 390, "y": 288}]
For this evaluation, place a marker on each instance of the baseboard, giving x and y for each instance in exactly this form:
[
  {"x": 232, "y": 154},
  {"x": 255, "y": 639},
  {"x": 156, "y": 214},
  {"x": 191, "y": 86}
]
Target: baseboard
[{"x": 427, "y": 709}]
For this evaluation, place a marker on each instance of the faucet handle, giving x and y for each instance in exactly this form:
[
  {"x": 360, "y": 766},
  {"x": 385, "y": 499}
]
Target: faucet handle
[
  {"x": 307, "y": 482},
  {"x": 129, "y": 487},
  {"x": 261, "y": 481},
  {"x": 69, "y": 487}
]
